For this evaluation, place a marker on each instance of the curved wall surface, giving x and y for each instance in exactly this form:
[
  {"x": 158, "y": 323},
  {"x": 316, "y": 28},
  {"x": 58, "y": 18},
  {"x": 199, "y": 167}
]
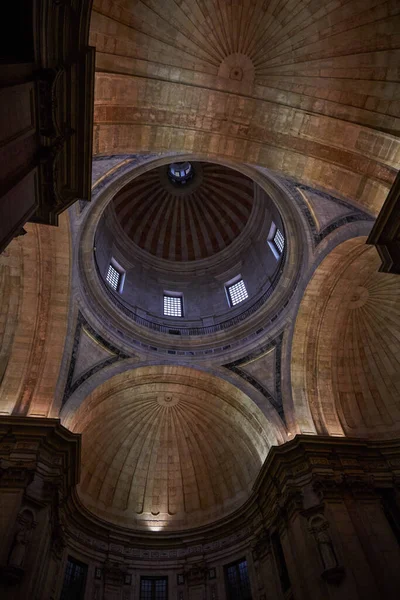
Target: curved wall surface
[
  {"x": 201, "y": 282},
  {"x": 168, "y": 448},
  {"x": 345, "y": 348}
]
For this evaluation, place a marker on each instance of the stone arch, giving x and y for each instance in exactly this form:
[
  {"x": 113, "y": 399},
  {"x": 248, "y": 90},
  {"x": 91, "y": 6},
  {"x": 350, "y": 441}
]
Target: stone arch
[
  {"x": 227, "y": 379},
  {"x": 169, "y": 446},
  {"x": 308, "y": 104},
  {"x": 34, "y": 291},
  {"x": 345, "y": 354}
]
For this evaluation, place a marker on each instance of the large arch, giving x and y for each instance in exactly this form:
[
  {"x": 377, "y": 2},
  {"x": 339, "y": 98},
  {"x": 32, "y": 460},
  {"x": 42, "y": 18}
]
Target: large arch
[
  {"x": 346, "y": 346},
  {"x": 34, "y": 293},
  {"x": 169, "y": 447}
]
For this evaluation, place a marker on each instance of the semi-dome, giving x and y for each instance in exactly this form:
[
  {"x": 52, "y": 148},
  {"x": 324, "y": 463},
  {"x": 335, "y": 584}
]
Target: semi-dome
[{"x": 168, "y": 447}]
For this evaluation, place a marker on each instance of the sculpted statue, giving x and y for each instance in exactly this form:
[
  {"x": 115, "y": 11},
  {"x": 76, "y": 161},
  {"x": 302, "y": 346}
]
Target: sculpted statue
[
  {"x": 21, "y": 540},
  {"x": 319, "y": 528},
  {"x": 326, "y": 550}
]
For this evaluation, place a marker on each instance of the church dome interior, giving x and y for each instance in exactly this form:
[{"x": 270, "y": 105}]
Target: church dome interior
[
  {"x": 211, "y": 248},
  {"x": 185, "y": 223},
  {"x": 200, "y": 300}
]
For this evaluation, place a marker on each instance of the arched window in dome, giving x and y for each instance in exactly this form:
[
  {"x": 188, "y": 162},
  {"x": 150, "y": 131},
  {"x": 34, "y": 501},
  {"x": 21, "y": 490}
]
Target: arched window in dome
[{"x": 180, "y": 172}]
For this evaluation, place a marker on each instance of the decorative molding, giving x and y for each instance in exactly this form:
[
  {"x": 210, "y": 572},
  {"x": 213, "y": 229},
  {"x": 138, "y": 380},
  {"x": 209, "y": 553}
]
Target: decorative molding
[
  {"x": 385, "y": 234},
  {"x": 356, "y": 214}
]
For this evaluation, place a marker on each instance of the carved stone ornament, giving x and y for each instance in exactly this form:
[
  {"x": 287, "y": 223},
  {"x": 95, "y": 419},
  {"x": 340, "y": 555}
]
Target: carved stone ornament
[
  {"x": 14, "y": 476},
  {"x": 361, "y": 484},
  {"x": 262, "y": 546},
  {"x": 326, "y": 486},
  {"x": 114, "y": 574},
  {"x": 196, "y": 574}
]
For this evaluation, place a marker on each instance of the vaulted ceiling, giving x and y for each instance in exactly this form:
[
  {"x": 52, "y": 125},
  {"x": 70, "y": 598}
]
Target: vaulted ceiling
[
  {"x": 169, "y": 447},
  {"x": 187, "y": 222},
  {"x": 306, "y": 88},
  {"x": 309, "y": 89},
  {"x": 345, "y": 356}
]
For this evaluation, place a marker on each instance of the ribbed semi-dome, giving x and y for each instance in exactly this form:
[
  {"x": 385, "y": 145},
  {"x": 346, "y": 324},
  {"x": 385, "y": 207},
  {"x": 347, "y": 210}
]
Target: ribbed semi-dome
[
  {"x": 169, "y": 448},
  {"x": 345, "y": 347},
  {"x": 185, "y": 222}
]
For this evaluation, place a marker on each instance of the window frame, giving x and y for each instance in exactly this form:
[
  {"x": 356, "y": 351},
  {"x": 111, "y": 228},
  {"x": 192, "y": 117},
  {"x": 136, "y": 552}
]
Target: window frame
[
  {"x": 228, "y": 588},
  {"x": 175, "y": 295},
  {"x": 153, "y": 578},
  {"x": 66, "y": 594},
  {"x": 276, "y": 251},
  {"x": 121, "y": 272},
  {"x": 231, "y": 284}
]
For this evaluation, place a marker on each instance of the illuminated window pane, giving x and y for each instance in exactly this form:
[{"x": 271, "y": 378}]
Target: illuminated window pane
[
  {"x": 173, "y": 306},
  {"x": 113, "y": 277},
  {"x": 237, "y": 292},
  {"x": 180, "y": 172}
]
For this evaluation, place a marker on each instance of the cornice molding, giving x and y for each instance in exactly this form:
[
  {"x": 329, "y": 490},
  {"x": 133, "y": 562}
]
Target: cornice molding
[{"x": 319, "y": 468}]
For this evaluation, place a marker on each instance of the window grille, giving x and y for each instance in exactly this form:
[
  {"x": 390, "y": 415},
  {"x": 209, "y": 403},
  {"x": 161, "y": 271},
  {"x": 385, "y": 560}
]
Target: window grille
[
  {"x": 237, "y": 292},
  {"x": 113, "y": 277},
  {"x": 74, "y": 580},
  {"x": 279, "y": 240},
  {"x": 173, "y": 306},
  {"x": 153, "y": 588}
]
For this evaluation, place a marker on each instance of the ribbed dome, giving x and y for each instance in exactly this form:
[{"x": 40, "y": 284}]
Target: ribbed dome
[
  {"x": 184, "y": 223},
  {"x": 168, "y": 447}
]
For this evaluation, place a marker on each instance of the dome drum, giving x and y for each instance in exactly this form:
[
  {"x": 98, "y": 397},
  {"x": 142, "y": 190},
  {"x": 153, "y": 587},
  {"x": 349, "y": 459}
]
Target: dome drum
[{"x": 208, "y": 322}]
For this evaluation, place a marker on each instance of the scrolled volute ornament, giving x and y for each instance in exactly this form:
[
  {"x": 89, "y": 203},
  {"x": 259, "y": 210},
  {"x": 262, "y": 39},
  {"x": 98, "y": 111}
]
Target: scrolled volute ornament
[{"x": 326, "y": 486}]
